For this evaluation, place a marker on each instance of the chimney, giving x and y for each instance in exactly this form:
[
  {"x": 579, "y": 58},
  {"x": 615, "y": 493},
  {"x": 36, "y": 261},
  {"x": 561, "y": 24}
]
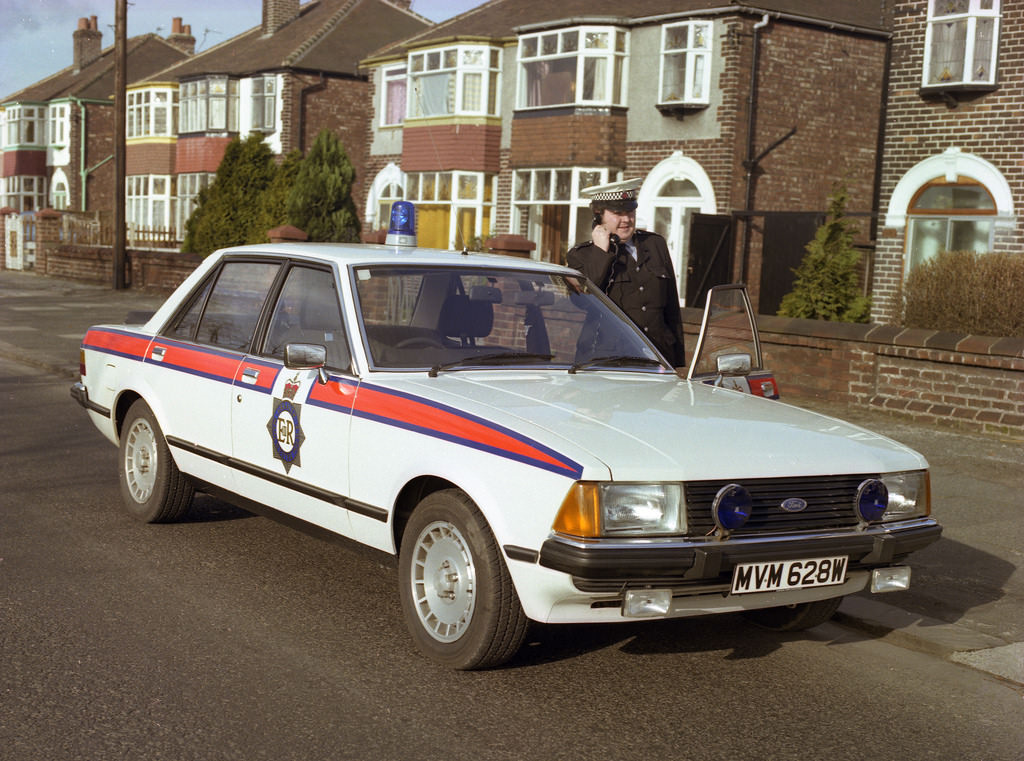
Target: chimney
[
  {"x": 88, "y": 42},
  {"x": 181, "y": 36},
  {"x": 277, "y": 13}
]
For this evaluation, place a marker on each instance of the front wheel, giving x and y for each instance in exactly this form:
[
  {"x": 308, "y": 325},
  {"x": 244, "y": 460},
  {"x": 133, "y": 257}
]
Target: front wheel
[
  {"x": 795, "y": 618},
  {"x": 152, "y": 487},
  {"x": 457, "y": 595}
]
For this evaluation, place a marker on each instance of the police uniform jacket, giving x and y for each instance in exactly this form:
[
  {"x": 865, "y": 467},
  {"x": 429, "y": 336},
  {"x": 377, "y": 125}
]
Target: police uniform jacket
[{"x": 644, "y": 289}]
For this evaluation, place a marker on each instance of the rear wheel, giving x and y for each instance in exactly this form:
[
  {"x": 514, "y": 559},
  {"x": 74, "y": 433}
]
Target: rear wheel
[
  {"x": 794, "y": 618},
  {"x": 152, "y": 487},
  {"x": 457, "y": 595}
]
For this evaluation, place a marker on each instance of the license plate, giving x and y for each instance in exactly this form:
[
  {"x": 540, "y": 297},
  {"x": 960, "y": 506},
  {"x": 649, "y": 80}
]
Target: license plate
[{"x": 788, "y": 574}]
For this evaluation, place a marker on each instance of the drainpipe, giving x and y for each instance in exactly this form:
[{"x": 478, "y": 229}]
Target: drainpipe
[{"x": 750, "y": 164}]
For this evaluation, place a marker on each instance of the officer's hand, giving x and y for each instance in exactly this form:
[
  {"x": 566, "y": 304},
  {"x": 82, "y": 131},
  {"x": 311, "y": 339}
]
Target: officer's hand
[{"x": 600, "y": 236}]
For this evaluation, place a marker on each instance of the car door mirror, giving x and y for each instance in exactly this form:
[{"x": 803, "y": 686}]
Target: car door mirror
[
  {"x": 734, "y": 364},
  {"x": 306, "y": 357}
]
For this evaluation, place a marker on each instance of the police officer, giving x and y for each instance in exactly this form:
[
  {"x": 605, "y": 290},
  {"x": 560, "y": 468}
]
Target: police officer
[{"x": 632, "y": 266}]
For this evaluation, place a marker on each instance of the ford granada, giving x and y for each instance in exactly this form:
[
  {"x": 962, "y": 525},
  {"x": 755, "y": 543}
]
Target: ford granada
[{"x": 500, "y": 427}]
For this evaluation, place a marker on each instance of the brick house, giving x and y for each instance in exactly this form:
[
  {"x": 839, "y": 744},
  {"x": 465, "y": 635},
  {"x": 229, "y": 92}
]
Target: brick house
[
  {"x": 740, "y": 117},
  {"x": 952, "y": 171},
  {"x": 58, "y": 134},
  {"x": 287, "y": 79}
]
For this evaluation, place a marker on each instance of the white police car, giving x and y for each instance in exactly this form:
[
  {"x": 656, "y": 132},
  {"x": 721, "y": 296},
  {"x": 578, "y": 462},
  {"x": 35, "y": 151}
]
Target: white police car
[{"x": 503, "y": 429}]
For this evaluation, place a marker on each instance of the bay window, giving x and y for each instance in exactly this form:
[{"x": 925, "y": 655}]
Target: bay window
[
  {"x": 457, "y": 80},
  {"x": 209, "y": 105},
  {"x": 961, "y": 43},
  {"x": 453, "y": 209},
  {"x": 149, "y": 201},
  {"x": 25, "y": 125},
  {"x": 579, "y": 66},
  {"x": 150, "y": 112},
  {"x": 547, "y": 207},
  {"x": 189, "y": 186}
]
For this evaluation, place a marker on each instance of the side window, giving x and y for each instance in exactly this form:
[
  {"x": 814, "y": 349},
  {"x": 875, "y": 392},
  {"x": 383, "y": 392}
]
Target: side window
[
  {"x": 233, "y": 308},
  {"x": 307, "y": 311},
  {"x": 185, "y": 328}
]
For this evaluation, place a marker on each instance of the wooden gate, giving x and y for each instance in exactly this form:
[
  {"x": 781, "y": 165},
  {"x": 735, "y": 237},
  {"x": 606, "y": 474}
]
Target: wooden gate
[
  {"x": 20, "y": 251},
  {"x": 710, "y": 260},
  {"x": 786, "y": 235}
]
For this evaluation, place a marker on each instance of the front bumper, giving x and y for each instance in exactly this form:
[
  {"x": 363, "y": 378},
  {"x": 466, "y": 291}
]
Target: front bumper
[{"x": 606, "y": 567}]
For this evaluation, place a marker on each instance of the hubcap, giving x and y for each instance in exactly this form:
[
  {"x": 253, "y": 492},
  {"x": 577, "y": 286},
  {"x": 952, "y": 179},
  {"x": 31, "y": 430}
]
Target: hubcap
[
  {"x": 140, "y": 461},
  {"x": 443, "y": 581}
]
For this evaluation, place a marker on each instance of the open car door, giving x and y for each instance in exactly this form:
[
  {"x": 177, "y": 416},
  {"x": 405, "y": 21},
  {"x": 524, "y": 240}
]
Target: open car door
[{"x": 728, "y": 351}]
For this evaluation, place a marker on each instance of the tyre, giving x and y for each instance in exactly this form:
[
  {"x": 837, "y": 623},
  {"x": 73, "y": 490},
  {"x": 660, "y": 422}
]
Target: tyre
[
  {"x": 795, "y": 618},
  {"x": 152, "y": 487},
  {"x": 457, "y": 595}
]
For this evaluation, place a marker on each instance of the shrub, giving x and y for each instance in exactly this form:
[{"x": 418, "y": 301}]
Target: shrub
[
  {"x": 827, "y": 282},
  {"x": 965, "y": 292},
  {"x": 229, "y": 208},
  {"x": 320, "y": 202}
]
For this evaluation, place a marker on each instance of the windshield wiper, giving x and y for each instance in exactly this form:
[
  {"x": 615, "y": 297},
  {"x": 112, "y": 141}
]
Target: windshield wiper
[
  {"x": 615, "y": 359},
  {"x": 498, "y": 358}
]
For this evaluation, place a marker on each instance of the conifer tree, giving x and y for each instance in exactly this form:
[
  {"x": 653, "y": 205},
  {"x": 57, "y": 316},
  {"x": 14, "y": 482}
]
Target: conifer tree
[
  {"x": 272, "y": 208},
  {"x": 827, "y": 285},
  {"x": 228, "y": 208},
  {"x": 320, "y": 202}
]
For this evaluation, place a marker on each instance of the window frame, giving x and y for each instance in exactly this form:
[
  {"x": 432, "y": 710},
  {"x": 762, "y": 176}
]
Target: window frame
[
  {"x": 971, "y": 17},
  {"x": 261, "y": 100},
  {"x": 143, "y": 112},
  {"x": 536, "y": 48},
  {"x": 196, "y": 100},
  {"x": 691, "y": 53},
  {"x": 453, "y": 61},
  {"x": 18, "y": 119},
  {"x": 58, "y": 117},
  {"x": 949, "y": 216},
  {"x": 394, "y": 76},
  {"x": 481, "y": 204}
]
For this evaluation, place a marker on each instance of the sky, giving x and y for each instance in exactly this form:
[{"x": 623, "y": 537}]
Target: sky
[{"x": 36, "y": 35}]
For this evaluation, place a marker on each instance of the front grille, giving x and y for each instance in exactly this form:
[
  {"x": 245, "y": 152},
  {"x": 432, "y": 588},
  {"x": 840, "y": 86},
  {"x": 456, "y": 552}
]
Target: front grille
[{"x": 829, "y": 504}]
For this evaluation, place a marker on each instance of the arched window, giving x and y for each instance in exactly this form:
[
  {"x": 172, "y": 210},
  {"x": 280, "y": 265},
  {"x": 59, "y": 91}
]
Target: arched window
[{"x": 949, "y": 216}]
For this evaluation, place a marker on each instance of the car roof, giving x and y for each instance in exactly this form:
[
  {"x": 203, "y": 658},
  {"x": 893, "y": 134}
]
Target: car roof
[{"x": 357, "y": 254}]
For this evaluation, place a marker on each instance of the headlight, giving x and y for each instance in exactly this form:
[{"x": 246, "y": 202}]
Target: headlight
[
  {"x": 909, "y": 495},
  {"x": 592, "y": 510}
]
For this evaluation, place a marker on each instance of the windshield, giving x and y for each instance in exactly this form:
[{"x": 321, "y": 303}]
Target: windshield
[{"x": 446, "y": 319}]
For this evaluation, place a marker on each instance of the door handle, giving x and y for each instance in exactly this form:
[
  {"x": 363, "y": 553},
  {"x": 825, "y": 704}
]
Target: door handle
[{"x": 250, "y": 375}]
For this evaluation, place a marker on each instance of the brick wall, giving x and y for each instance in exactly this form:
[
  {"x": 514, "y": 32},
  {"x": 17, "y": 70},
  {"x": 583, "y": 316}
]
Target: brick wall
[
  {"x": 473, "y": 147},
  {"x": 340, "y": 104},
  {"x": 199, "y": 154},
  {"x": 150, "y": 158},
  {"x": 576, "y": 138},
  {"x": 99, "y": 147},
  {"x": 974, "y": 382}
]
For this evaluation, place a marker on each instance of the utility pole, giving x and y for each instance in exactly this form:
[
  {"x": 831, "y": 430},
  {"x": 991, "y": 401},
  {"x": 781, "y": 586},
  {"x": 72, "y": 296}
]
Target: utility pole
[{"x": 120, "y": 163}]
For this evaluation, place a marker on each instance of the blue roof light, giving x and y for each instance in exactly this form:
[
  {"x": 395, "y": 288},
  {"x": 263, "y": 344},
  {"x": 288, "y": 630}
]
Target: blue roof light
[{"x": 402, "y": 229}]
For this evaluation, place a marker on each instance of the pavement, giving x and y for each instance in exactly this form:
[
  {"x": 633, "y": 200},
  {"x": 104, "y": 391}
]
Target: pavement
[{"x": 966, "y": 604}]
